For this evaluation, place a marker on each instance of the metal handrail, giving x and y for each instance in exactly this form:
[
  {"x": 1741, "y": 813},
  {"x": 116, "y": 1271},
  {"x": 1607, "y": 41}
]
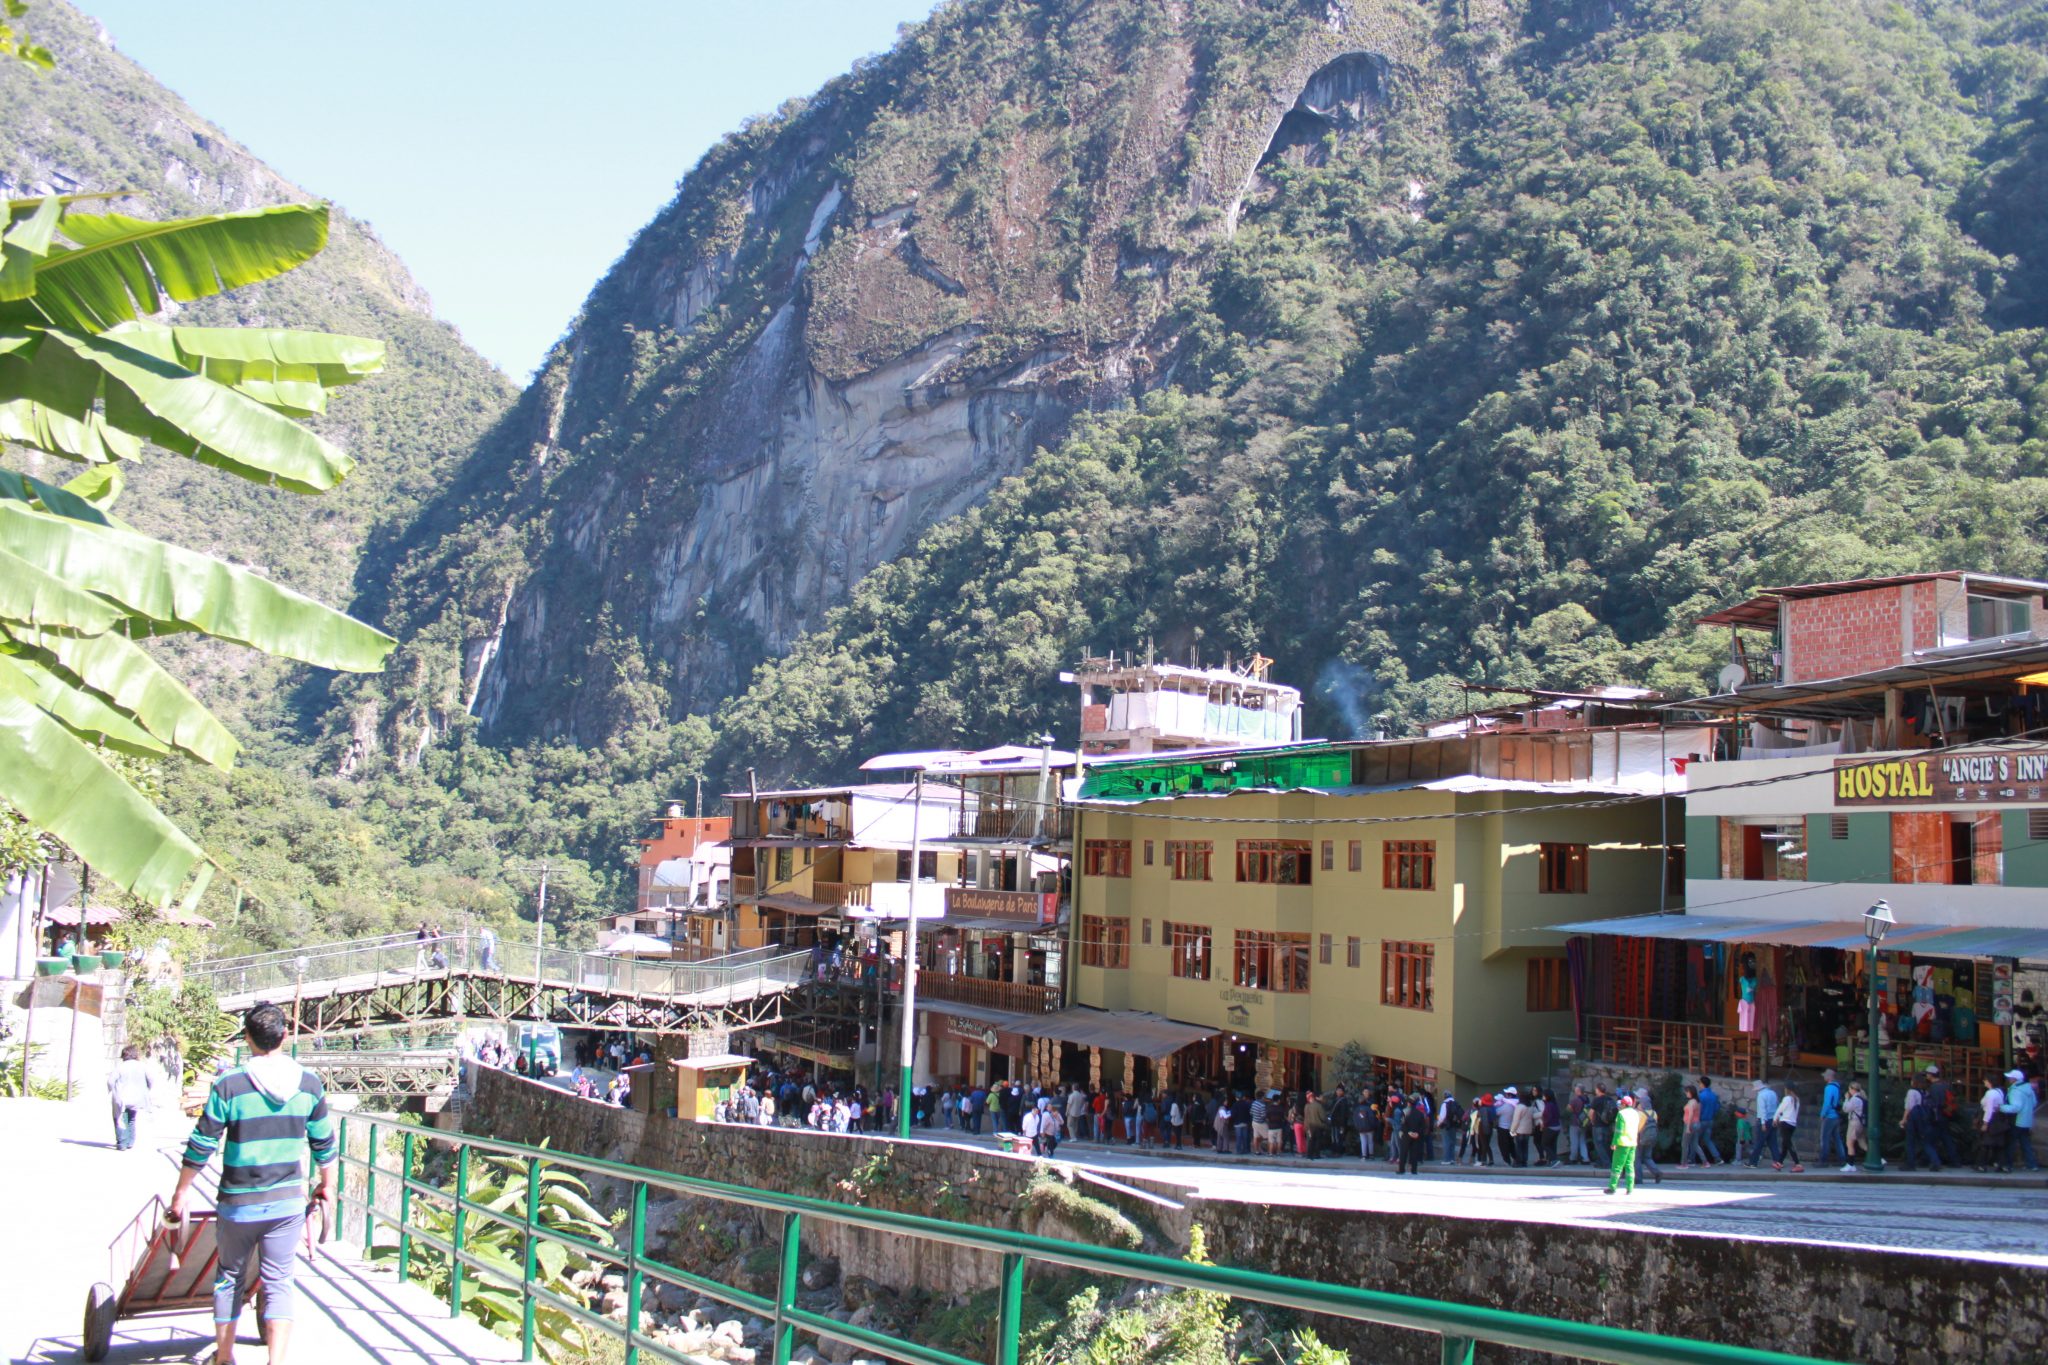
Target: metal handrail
[
  {"x": 1460, "y": 1326},
  {"x": 400, "y": 956}
]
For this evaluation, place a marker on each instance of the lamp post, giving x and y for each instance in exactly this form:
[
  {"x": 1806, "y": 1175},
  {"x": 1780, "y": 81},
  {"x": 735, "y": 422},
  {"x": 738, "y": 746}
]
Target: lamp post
[{"x": 1876, "y": 921}]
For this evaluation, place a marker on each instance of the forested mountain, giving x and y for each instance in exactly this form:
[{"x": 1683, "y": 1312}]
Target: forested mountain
[{"x": 1406, "y": 341}]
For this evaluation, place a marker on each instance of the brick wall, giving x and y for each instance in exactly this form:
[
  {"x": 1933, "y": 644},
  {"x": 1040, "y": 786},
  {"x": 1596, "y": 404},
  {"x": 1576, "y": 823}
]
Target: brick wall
[
  {"x": 1835, "y": 1303},
  {"x": 1848, "y": 632}
]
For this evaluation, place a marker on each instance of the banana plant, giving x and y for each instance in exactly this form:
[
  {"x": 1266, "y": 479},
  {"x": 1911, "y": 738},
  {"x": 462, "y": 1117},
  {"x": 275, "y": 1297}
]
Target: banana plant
[
  {"x": 493, "y": 1298},
  {"x": 89, "y": 374}
]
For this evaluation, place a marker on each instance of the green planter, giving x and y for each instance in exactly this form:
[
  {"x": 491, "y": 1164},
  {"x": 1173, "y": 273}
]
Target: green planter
[
  {"x": 83, "y": 963},
  {"x": 113, "y": 957},
  {"x": 51, "y": 966}
]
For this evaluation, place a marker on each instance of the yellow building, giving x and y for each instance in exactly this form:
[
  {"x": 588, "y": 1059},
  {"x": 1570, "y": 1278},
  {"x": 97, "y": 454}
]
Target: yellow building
[{"x": 1390, "y": 893}]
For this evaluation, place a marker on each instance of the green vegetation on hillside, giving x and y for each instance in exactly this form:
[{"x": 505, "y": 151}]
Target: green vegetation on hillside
[{"x": 1510, "y": 390}]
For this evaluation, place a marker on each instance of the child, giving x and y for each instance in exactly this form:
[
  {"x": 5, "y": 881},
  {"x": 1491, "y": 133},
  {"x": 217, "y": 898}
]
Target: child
[{"x": 1745, "y": 1135}]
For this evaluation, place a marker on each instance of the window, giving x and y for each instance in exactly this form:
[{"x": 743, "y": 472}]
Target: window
[
  {"x": 1329, "y": 855},
  {"x": 1838, "y": 827},
  {"x": 1148, "y": 853},
  {"x": 1550, "y": 986},
  {"x": 1351, "y": 951},
  {"x": 1189, "y": 859},
  {"x": 1357, "y": 848},
  {"x": 1106, "y": 858},
  {"x": 1272, "y": 962},
  {"x": 1323, "y": 952},
  {"x": 1992, "y": 617},
  {"x": 1105, "y": 941},
  {"x": 783, "y": 864},
  {"x": 1145, "y": 931},
  {"x": 2037, "y": 826},
  {"x": 1277, "y": 862},
  {"x": 1408, "y": 975},
  {"x": 927, "y": 866},
  {"x": 1188, "y": 949},
  {"x": 1563, "y": 869},
  {"x": 1409, "y": 865}
]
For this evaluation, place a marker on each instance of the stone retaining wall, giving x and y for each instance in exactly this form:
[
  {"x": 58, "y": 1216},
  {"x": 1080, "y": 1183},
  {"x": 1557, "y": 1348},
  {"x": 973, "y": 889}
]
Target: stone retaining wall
[{"x": 1843, "y": 1304}]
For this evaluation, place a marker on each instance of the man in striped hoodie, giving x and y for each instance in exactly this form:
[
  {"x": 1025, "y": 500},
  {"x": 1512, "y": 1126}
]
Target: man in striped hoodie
[{"x": 262, "y": 1118}]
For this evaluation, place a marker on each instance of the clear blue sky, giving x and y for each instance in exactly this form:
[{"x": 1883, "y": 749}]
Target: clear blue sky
[{"x": 506, "y": 150}]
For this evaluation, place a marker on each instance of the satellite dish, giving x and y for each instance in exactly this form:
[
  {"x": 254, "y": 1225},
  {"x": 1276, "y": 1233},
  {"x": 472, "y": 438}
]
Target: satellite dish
[{"x": 1732, "y": 677}]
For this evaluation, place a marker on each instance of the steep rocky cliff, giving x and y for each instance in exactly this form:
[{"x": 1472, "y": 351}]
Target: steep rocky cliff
[{"x": 855, "y": 318}]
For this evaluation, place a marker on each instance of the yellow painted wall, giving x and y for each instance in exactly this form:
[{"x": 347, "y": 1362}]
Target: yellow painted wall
[{"x": 1485, "y": 896}]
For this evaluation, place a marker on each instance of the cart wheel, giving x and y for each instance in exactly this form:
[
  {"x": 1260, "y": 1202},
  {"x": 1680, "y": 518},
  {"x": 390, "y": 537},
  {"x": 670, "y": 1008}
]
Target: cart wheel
[{"x": 100, "y": 1311}]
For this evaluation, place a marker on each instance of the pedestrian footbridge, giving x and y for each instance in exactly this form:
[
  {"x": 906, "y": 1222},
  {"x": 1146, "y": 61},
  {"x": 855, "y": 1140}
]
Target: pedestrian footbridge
[{"x": 399, "y": 980}]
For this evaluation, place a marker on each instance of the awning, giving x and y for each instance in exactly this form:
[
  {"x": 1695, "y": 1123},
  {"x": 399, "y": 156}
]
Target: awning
[
  {"x": 719, "y": 1063},
  {"x": 99, "y": 915},
  {"x": 988, "y": 923},
  {"x": 1147, "y": 1035},
  {"x": 1940, "y": 940}
]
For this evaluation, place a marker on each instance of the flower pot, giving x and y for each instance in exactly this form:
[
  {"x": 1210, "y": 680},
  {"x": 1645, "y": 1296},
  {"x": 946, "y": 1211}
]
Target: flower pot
[
  {"x": 113, "y": 957},
  {"x": 51, "y": 966}
]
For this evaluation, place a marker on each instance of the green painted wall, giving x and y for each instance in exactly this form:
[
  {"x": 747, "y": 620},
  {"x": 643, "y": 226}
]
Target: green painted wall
[
  {"x": 2026, "y": 860},
  {"x": 1865, "y": 856},
  {"x": 1702, "y": 848}
]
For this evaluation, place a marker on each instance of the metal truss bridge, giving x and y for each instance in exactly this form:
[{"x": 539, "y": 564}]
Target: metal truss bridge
[
  {"x": 389, "y": 1075},
  {"x": 398, "y": 980}
]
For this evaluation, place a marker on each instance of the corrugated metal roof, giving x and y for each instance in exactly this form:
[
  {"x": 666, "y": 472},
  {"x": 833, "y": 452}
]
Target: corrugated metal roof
[
  {"x": 1941, "y": 940},
  {"x": 1148, "y": 1035}
]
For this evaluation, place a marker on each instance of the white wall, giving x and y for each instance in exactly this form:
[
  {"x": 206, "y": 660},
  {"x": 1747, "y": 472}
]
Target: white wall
[{"x": 1915, "y": 904}]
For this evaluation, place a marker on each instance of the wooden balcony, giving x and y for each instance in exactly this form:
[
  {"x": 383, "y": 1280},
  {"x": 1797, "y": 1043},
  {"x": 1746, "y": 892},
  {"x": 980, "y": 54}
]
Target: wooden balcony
[
  {"x": 1660, "y": 1045},
  {"x": 742, "y": 886},
  {"x": 994, "y": 995},
  {"x": 842, "y": 893}
]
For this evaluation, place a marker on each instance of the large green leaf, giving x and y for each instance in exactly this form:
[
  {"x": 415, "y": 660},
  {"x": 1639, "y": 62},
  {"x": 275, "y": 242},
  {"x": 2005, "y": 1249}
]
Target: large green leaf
[
  {"x": 179, "y": 589},
  {"x": 59, "y": 785},
  {"x": 34, "y": 598},
  {"x": 26, "y": 241},
  {"x": 49, "y": 400},
  {"x": 85, "y": 715},
  {"x": 124, "y": 674},
  {"x": 123, "y": 267},
  {"x": 288, "y": 371},
  {"x": 162, "y": 401},
  {"x": 101, "y": 486}
]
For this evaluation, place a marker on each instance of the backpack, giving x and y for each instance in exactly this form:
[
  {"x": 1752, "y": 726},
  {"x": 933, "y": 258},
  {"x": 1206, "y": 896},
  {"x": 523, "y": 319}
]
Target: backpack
[
  {"x": 1604, "y": 1109},
  {"x": 1454, "y": 1113},
  {"x": 1942, "y": 1096}
]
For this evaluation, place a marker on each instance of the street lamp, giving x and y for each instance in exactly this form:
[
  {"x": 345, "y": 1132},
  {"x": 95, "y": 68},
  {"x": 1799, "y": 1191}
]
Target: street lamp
[{"x": 1877, "y": 920}]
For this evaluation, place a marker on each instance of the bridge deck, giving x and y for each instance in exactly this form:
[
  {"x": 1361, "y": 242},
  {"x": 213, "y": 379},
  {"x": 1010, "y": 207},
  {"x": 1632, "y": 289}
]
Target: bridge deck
[
  {"x": 734, "y": 993},
  {"x": 70, "y": 1192}
]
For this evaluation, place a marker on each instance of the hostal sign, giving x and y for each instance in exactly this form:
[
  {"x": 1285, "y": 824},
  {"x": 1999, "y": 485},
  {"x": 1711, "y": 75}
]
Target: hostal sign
[{"x": 2018, "y": 775}]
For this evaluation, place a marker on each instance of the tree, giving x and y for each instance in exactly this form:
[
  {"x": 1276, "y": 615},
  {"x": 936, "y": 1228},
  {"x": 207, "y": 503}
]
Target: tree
[{"x": 86, "y": 376}]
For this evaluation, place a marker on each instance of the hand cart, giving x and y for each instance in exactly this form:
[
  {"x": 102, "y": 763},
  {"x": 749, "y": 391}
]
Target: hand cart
[{"x": 169, "y": 1268}]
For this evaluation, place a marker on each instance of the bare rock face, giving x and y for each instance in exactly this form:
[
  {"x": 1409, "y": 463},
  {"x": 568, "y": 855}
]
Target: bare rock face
[{"x": 852, "y": 322}]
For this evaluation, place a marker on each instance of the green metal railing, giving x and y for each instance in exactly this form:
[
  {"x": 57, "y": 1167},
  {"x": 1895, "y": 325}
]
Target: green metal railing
[{"x": 1461, "y": 1327}]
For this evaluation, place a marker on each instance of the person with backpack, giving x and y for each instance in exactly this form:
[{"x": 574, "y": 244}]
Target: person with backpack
[
  {"x": 1831, "y": 1119},
  {"x": 1450, "y": 1124},
  {"x": 1486, "y": 1120},
  {"x": 1338, "y": 1111},
  {"x": 1548, "y": 1123},
  {"x": 1991, "y": 1126},
  {"x": 1604, "y": 1109},
  {"x": 2020, "y": 1103},
  {"x": 1918, "y": 1123}
]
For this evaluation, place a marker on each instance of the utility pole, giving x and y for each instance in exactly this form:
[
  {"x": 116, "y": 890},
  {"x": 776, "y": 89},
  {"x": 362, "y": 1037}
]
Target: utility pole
[
  {"x": 910, "y": 961},
  {"x": 540, "y": 921}
]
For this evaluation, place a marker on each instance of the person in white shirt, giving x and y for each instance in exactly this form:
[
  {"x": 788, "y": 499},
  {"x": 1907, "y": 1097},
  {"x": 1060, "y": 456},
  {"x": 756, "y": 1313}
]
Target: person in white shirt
[
  {"x": 130, "y": 1089},
  {"x": 1989, "y": 1148}
]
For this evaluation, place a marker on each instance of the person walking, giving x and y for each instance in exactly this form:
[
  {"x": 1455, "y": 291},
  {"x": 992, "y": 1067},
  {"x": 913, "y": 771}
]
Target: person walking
[
  {"x": 1745, "y": 1137},
  {"x": 1628, "y": 1126},
  {"x": 1504, "y": 1124},
  {"x": 1603, "y": 1109},
  {"x": 1578, "y": 1126},
  {"x": 1523, "y": 1127},
  {"x": 2021, "y": 1103},
  {"x": 1689, "y": 1140},
  {"x": 1450, "y": 1124},
  {"x": 1646, "y": 1137},
  {"x": 1991, "y": 1126},
  {"x": 1856, "y": 1132},
  {"x": 1941, "y": 1117},
  {"x": 1549, "y": 1119},
  {"x": 1241, "y": 1123},
  {"x": 1710, "y": 1109},
  {"x": 1338, "y": 1111},
  {"x": 1831, "y": 1119},
  {"x": 1766, "y": 1125},
  {"x": 1786, "y": 1122},
  {"x": 258, "y": 1117},
  {"x": 1316, "y": 1121},
  {"x": 1919, "y": 1131},
  {"x": 131, "y": 1088},
  {"x": 1414, "y": 1135}
]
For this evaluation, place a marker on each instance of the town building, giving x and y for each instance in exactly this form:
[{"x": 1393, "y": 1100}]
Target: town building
[
  {"x": 1153, "y": 707},
  {"x": 1878, "y": 740},
  {"x": 1398, "y": 894},
  {"x": 684, "y": 896}
]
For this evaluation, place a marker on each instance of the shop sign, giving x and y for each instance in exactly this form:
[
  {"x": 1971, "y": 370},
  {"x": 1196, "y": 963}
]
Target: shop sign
[
  {"x": 1237, "y": 995},
  {"x": 959, "y": 1028},
  {"x": 1026, "y": 907},
  {"x": 1938, "y": 780}
]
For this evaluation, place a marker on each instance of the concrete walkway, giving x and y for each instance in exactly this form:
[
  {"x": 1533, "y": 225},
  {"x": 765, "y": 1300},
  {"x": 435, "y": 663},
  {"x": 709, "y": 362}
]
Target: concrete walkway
[
  {"x": 67, "y": 1193},
  {"x": 1951, "y": 1214}
]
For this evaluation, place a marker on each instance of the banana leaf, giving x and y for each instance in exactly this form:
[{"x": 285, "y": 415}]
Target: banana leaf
[
  {"x": 290, "y": 372},
  {"x": 27, "y": 241},
  {"x": 85, "y": 715},
  {"x": 48, "y": 400},
  {"x": 34, "y": 598},
  {"x": 177, "y": 590},
  {"x": 162, "y": 401},
  {"x": 101, "y": 486},
  {"x": 60, "y": 785},
  {"x": 123, "y": 673},
  {"x": 56, "y": 499},
  {"x": 122, "y": 267}
]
